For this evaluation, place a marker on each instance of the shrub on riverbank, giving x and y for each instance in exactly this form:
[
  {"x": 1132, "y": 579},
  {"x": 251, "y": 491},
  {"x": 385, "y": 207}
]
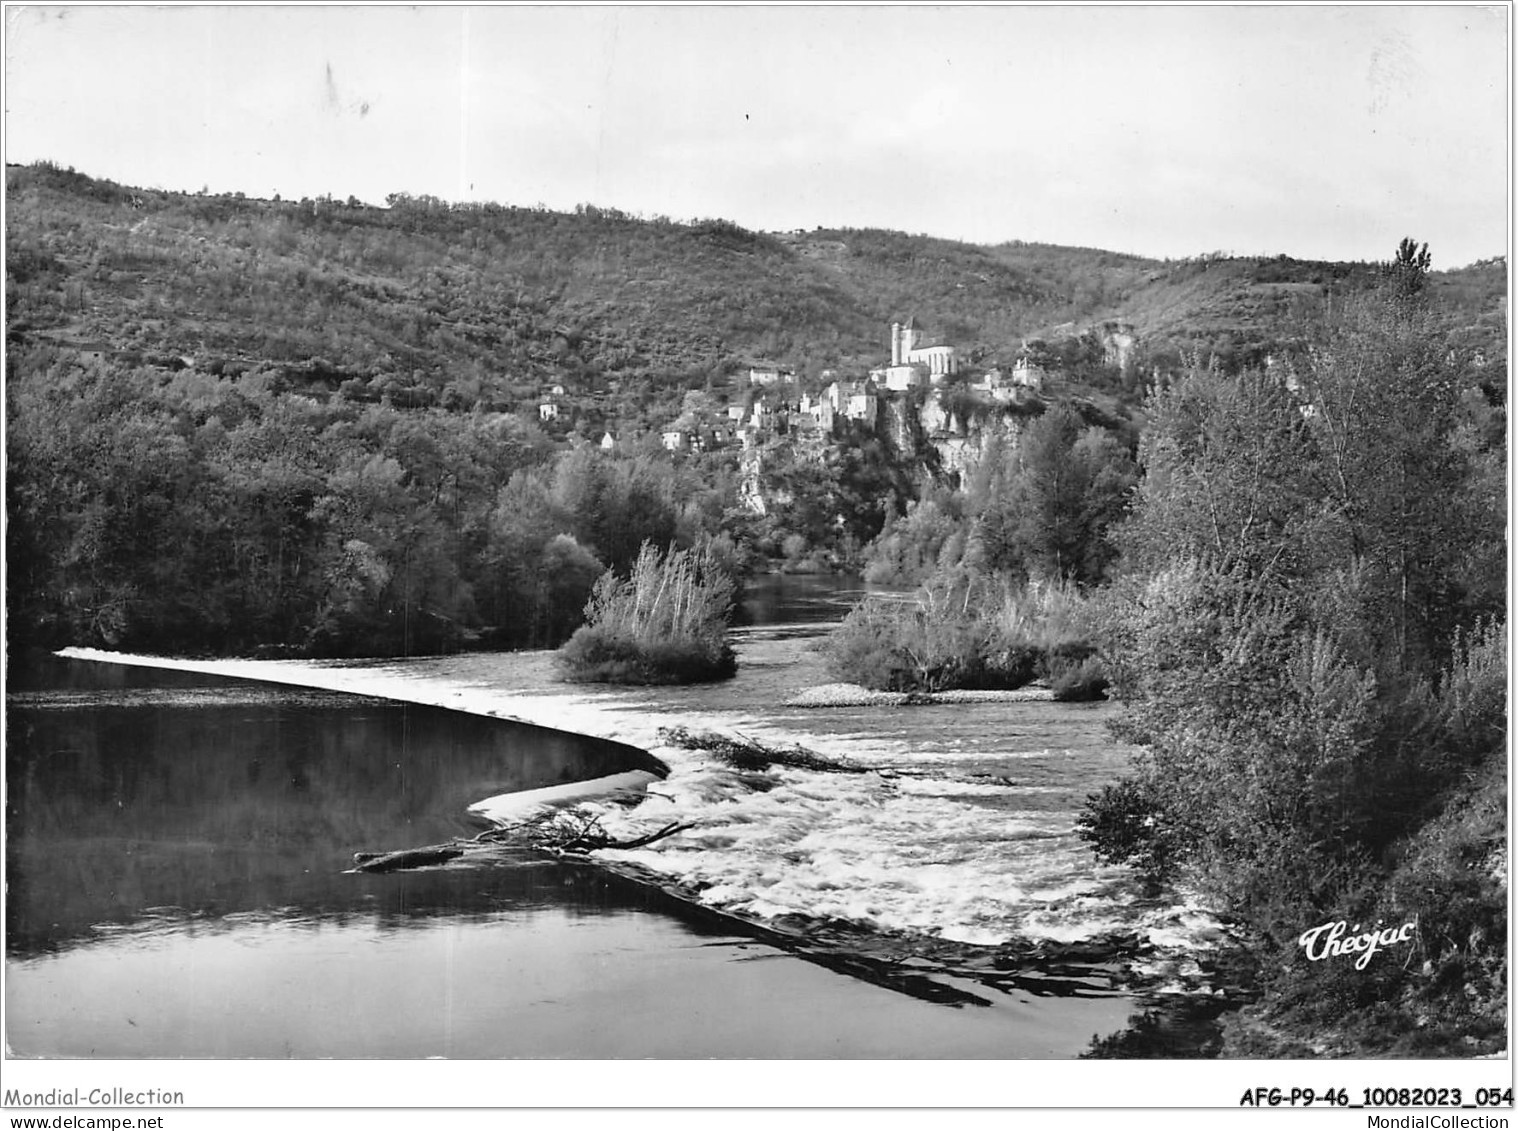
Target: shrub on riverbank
[
  {"x": 965, "y": 630},
  {"x": 666, "y": 622}
]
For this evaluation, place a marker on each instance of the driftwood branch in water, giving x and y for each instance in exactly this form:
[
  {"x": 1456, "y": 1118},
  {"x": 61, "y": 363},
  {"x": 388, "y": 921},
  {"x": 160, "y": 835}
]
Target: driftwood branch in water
[
  {"x": 405, "y": 858},
  {"x": 594, "y": 840},
  {"x": 550, "y": 833}
]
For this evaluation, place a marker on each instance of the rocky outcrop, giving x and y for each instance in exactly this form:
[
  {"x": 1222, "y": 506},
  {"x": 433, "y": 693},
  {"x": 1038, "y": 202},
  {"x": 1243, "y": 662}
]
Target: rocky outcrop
[
  {"x": 1118, "y": 340},
  {"x": 958, "y": 456},
  {"x": 923, "y": 438},
  {"x": 900, "y": 425},
  {"x": 751, "y": 481}
]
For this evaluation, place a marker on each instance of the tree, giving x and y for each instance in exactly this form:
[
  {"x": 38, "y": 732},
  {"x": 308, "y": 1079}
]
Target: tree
[
  {"x": 1295, "y": 596},
  {"x": 1065, "y": 486},
  {"x": 1407, "y": 274},
  {"x": 525, "y": 520},
  {"x": 1231, "y": 480},
  {"x": 911, "y": 546},
  {"x": 1383, "y": 399},
  {"x": 567, "y": 573}
]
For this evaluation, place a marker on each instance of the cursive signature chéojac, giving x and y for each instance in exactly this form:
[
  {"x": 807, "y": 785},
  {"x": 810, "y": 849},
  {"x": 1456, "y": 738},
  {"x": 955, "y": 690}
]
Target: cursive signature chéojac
[{"x": 1329, "y": 940}]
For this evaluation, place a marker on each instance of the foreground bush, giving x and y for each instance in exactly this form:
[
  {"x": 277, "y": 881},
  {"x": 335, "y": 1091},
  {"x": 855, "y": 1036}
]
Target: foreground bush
[
  {"x": 967, "y": 630},
  {"x": 1443, "y": 995},
  {"x": 1311, "y": 656},
  {"x": 665, "y": 623}
]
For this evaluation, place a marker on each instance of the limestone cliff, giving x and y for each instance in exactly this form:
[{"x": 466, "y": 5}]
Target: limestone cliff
[
  {"x": 901, "y": 427},
  {"x": 1118, "y": 340},
  {"x": 751, "y": 481},
  {"x": 920, "y": 437},
  {"x": 959, "y": 456}
]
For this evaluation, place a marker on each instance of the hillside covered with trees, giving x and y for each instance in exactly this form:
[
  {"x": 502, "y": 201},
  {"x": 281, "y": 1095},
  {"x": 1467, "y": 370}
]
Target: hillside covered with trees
[{"x": 312, "y": 426}]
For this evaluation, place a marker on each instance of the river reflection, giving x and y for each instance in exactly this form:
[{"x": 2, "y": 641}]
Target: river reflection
[
  {"x": 208, "y": 797},
  {"x": 801, "y": 598}
]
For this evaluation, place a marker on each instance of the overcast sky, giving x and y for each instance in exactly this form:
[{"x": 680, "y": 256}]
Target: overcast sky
[{"x": 1318, "y": 131}]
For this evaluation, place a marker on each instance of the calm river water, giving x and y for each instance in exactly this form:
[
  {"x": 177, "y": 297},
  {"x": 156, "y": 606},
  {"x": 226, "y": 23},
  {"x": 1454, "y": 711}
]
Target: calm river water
[{"x": 180, "y": 847}]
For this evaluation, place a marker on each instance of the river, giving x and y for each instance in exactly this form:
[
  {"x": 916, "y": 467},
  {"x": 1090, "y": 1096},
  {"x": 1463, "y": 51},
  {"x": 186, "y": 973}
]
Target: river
[{"x": 181, "y": 842}]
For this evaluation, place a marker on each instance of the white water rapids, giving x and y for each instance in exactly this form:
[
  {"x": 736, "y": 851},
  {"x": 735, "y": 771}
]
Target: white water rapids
[{"x": 961, "y": 830}]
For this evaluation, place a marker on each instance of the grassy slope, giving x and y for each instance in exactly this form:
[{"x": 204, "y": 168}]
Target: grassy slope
[{"x": 486, "y": 304}]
